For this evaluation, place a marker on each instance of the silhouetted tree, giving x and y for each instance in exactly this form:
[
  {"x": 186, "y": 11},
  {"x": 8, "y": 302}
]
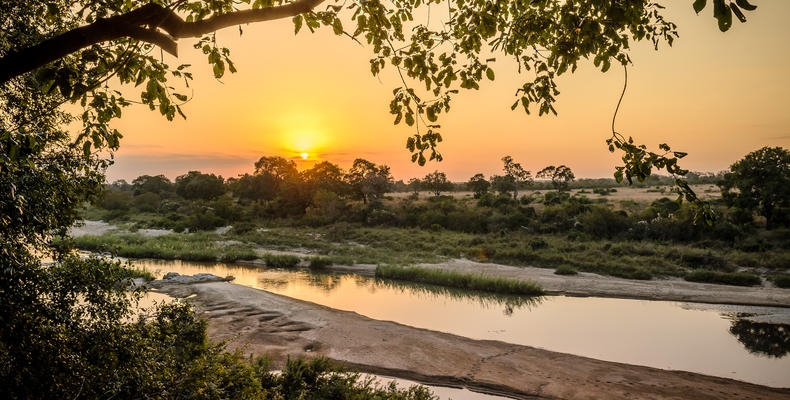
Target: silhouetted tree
[
  {"x": 158, "y": 184},
  {"x": 437, "y": 183},
  {"x": 516, "y": 173},
  {"x": 760, "y": 183},
  {"x": 478, "y": 185},
  {"x": 368, "y": 180},
  {"x": 560, "y": 176},
  {"x": 195, "y": 185}
]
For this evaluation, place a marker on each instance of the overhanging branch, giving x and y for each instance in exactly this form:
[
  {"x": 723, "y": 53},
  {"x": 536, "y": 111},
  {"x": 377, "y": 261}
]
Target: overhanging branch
[{"x": 143, "y": 24}]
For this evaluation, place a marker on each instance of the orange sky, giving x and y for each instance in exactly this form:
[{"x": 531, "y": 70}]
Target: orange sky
[{"x": 715, "y": 95}]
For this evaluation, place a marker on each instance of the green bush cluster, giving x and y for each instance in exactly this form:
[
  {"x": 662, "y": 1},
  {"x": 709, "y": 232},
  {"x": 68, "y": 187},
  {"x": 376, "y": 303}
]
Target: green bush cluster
[
  {"x": 281, "y": 260},
  {"x": 725, "y": 278}
]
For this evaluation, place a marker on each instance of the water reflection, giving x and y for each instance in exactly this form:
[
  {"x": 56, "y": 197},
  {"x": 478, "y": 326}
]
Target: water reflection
[
  {"x": 327, "y": 282},
  {"x": 772, "y": 340},
  {"x": 659, "y": 334}
]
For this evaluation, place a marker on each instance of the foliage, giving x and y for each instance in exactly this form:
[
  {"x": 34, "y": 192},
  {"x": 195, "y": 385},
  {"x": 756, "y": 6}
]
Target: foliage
[
  {"x": 367, "y": 180},
  {"x": 459, "y": 280},
  {"x": 478, "y": 185},
  {"x": 560, "y": 176},
  {"x": 195, "y": 185},
  {"x": 281, "y": 260},
  {"x": 437, "y": 183},
  {"x": 760, "y": 183},
  {"x": 726, "y": 278},
  {"x": 566, "y": 269},
  {"x": 781, "y": 280},
  {"x": 320, "y": 262},
  {"x": 515, "y": 174},
  {"x": 772, "y": 340}
]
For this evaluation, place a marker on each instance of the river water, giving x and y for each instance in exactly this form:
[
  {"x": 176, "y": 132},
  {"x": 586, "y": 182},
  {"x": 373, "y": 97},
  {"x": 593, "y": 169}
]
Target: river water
[{"x": 670, "y": 335}]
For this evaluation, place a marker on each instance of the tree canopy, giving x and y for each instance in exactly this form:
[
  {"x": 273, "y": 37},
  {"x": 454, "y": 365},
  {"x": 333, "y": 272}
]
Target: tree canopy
[{"x": 760, "y": 183}]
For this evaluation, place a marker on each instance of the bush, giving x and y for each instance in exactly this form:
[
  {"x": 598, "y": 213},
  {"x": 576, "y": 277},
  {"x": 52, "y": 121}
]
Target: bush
[
  {"x": 781, "y": 280},
  {"x": 320, "y": 262},
  {"x": 538, "y": 243},
  {"x": 566, "y": 269},
  {"x": 236, "y": 255},
  {"x": 724, "y": 278},
  {"x": 281, "y": 260}
]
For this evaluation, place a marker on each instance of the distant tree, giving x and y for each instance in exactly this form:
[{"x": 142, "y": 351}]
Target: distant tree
[
  {"x": 253, "y": 187},
  {"x": 437, "y": 183},
  {"x": 147, "y": 202},
  {"x": 195, "y": 185},
  {"x": 561, "y": 176},
  {"x": 415, "y": 185},
  {"x": 760, "y": 183},
  {"x": 516, "y": 173},
  {"x": 478, "y": 185},
  {"x": 278, "y": 167},
  {"x": 158, "y": 184},
  {"x": 368, "y": 180},
  {"x": 115, "y": 199},
  {"x": 325, "y": 176},
  {"x": 503, "y": 184}
]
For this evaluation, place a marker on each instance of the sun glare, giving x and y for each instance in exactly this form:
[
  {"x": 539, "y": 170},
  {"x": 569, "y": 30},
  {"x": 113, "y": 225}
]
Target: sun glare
[{"x": 304, "y": 156}]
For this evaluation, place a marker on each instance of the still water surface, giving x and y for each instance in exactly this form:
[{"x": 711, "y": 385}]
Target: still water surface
[{"x": 661, "y": 334}]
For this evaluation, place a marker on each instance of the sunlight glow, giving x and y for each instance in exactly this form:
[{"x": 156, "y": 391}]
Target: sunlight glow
[{"x": 304, "y": 156}]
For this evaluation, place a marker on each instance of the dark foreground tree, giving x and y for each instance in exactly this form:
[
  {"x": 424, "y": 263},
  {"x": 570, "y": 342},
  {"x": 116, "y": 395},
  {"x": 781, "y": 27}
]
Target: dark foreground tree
[{"x": 760, "y": 183}]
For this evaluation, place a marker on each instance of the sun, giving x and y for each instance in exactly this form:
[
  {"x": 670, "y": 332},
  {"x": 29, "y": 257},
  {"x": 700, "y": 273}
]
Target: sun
[{"x": 304, "y": 156}]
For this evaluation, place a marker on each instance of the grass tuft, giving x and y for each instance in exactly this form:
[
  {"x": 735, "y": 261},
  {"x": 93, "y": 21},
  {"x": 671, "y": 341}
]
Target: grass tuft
[
  {"x": 459, "y": 280},
  {"x": 320, "y": 262},
  {"x": 281, "y": 260}
]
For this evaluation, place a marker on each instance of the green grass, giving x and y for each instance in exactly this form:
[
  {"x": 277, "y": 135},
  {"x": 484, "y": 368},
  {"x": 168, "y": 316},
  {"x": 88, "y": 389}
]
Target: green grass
[
  {"x": 136, "y": 272},
  {"x": 320, "y": 262},
  {"x": 724, "y": 278},
  {"x": 348, "y": 244},
  {"x": 459, "y": 280},
  {"x": 781, "y": 280},
  {"x": 566, "y": 269},
  {"x": 281, "y": 260}
]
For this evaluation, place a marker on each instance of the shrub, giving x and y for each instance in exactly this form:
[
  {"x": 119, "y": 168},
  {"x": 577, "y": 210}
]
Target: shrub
[
  {"x": 281, "y": 260},
  {"x": 781, "y": 280},
  {"x": 320, "y": 262},
  {"x": 566, "y": 269},
  {"x": 724, "y": 278},
  {"x": 538, "y": 243},
  {"x": 236, "y": 255}
]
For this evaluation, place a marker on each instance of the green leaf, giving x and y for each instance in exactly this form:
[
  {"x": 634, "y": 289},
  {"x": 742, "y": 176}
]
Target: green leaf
[
  {"x": 723, "y": 14},
  {"x": 297, "y": 23},
  {"x": 745, "y": 5},
  {"x": 738, "y": 13},
  {"x": 490, "y": 74},
  {"x": 699, "y": 5}
]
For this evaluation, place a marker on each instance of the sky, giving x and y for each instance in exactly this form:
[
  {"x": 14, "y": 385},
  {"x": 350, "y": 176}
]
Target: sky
[{"x": 717, "y": 96}]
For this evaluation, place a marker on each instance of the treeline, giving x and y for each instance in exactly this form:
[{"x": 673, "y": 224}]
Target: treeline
[{"x": 277, "y": 193}]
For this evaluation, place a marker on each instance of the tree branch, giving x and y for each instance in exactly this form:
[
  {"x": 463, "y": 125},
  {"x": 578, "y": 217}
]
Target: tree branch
[{"x": 142, "y": 24}]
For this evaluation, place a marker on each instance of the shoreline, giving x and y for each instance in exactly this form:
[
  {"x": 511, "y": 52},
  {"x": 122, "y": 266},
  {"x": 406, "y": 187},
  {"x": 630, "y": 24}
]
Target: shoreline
[{"x": 259, "y": 322}]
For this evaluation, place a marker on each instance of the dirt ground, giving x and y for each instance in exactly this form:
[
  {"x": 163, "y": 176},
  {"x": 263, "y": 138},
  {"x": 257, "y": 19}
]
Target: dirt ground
[{"x": 261, "y": 323}]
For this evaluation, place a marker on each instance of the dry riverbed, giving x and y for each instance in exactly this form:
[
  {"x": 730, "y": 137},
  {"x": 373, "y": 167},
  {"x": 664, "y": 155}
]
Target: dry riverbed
[{"x": 265, "y": 323}]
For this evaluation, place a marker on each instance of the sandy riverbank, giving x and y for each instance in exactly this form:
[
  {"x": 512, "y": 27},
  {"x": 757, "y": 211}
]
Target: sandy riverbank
[{"x": 279, "y": 326}]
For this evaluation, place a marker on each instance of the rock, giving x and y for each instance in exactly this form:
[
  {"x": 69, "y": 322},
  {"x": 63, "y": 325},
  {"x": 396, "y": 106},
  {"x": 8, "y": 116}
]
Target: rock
[
  {"x": 175, "y": 278},
  {"x": 171, "y": 275}
]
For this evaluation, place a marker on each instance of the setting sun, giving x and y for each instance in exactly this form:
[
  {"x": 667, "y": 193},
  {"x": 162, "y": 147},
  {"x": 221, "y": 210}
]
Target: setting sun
[{"x": 304, "y": 156}]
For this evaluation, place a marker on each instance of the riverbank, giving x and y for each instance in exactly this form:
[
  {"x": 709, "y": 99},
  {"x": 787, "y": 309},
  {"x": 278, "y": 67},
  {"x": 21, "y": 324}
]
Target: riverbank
[{"x": 265, "y": 323}]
